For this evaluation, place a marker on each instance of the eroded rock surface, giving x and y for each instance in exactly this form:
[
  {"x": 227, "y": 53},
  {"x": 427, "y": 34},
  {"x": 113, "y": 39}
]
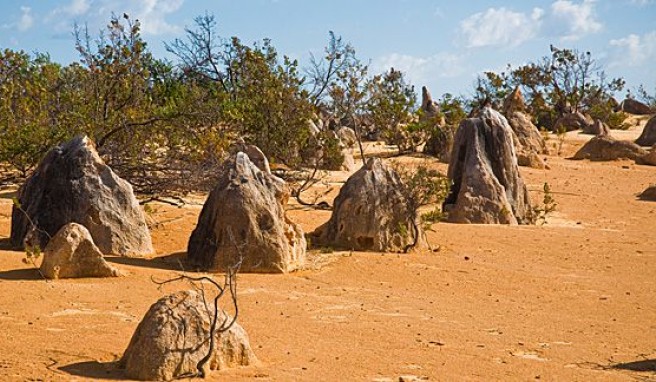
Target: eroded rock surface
[
  {"x": 606, "y": 148},
  {"x": 648, "y": 136},
  {"x": 174, "y": 336},
  {"x": 244, "y": 219},
  {"x": 71, "y": 253},
  {"x": 486, "y": 186},
  {"x": 73, "y": 184},
  {"x": 370, "y": 213}
]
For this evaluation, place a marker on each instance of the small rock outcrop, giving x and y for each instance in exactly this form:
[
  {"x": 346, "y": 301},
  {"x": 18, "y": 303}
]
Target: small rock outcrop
[
  {"x": 648, "y": 136},
  {"x": 429, "y": 107},
  {"x": 370, "y": 214},
  {"x": 649, "y": 193},
  {"x": 487, "y": 187},
  {"x": 244, "y": 216},
  {"x": 174, "y": 336},
  {"x": 573, "y": 121},
  {"x": 71, "y": 253},
  {"x": 597, "y": 128},
  {"x": 606, "y": 148},
  {"x": 633, "y": 106},
  {"x": 514, "y": 102},
  {"x": 73, "y": 184}
]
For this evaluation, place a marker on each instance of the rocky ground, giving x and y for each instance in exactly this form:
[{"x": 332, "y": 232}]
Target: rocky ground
[{"x": 569, "y": 300}]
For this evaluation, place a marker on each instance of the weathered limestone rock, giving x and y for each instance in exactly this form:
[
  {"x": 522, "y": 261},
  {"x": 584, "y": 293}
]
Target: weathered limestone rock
[
  {"x": 174, "y": 336},
  {"x": 514, "y": 102},
  {"x": 429, "y": 107},
  {"x": 254, "y": 153},
  {"x": 606, "y": 148},
  {"x": 73, "y": 184},
  {"x": 370, "y": 213},
  {"x": 648, "y": 136},
  {"x": 71, "y": 253},
  {"x": 633, "y": 106},
  {"x": 244, "y": 216},
  {"x": 597, "y": 128},
  {"x": 486, "y": 185},
  {"x": 528, "y": 141},
  {"x": 649, "y": 193},
  {"x": 573, "y": 121}
]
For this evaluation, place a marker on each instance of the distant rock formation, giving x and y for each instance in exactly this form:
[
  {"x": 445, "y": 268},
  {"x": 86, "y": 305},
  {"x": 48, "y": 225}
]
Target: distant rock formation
[
  {"x": 73, "y": 184},
  {"x": 648, "y": 136},
  {"x": 244, "y": 216},
  {"x": 633, "y": 106},
  {"x": 598, "y": 128},
  {"x": 487, "y": 187},
  {"x": 573, "y": 121},
  {"x": 370, "y": 214},
  {"x": 607, "y": 148},
  {"x": 529, "y": 143},
  {"x": 430, "y": 108}
]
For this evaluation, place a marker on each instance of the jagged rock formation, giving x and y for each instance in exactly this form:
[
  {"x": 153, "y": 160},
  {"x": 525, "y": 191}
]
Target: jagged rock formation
[
  {"x": 486, "y": 185},
  {"x": 529, "y": 143},
  {"x": 244, "y": 216},
  {"x": 370, "y": 214},
  {"x": 430, "y": 108},
  {"x": 606, "y": 148},
  {"x": 71, "y": 253},
  {"x": 73, "y": 184},
  {"x": 514, "y": 102},
  {"x": 648, "y": 136},
  {"x": 633, "y": 106},
  {"x": 173, "y": 337}
]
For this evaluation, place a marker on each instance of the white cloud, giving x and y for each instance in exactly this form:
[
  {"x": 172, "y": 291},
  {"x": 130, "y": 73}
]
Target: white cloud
[
  {"x": 580, "y": 19},
  {"x": 422, "y": 70},
  {"x": 633, "y": 50},
  {"x": 500, "y": 27},
  {"x": 26, "y": 20},
  {"x": 641, "y": 3},
  {"x": 96, "y": 13}
]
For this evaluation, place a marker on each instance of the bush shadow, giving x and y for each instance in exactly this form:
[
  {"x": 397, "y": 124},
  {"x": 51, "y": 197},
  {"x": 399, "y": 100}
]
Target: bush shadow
[
  {"x": 172, "y": 262},
  {"x": 95, "y": 370}
]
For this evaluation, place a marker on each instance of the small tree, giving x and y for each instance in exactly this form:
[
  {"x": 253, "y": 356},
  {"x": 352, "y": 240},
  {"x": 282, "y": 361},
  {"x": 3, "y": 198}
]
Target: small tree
[{"x": 391, "y": 106}]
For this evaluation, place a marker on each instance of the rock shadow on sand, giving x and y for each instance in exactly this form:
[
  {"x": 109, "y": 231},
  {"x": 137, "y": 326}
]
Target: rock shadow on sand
[
  {"x": 173, "y": 262},
  {"x": 95, "y": 370},
  {"x": 647, "y": 365}
]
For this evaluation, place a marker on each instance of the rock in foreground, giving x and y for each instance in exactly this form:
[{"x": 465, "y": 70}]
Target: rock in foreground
[
  {"x": 244, "y": 217},
  {"x": 370, "y": 214},
  {"x": 73, "y": 184},
  {"x": 486, "y": 185},
  {"x": 174, "y": 336},
  {"x": 71, "y": 253},
  {"x": 649, "y": 193}
]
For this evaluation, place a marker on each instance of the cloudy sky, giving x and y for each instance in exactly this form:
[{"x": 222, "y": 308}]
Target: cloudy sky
[{"x": 442, "y": 44}]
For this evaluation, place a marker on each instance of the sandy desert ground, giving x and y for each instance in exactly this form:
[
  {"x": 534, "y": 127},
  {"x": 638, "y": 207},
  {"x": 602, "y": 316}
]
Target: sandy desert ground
[{"x": 572, "y": 300}]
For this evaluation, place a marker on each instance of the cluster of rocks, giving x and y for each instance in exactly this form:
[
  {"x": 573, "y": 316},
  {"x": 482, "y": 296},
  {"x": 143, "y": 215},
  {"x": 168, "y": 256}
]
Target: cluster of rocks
[{"x": 78, "y": 210}]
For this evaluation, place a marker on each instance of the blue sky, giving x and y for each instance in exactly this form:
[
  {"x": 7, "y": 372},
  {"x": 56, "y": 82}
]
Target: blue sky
[{"x": 442, "y": 44}]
